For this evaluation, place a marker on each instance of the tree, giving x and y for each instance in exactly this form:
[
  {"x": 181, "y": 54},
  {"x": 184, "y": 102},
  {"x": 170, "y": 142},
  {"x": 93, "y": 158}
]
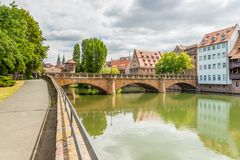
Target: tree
[
  {"x": 110, "y": 70},
  {"x": 77, "y": 57},
  {"x": 10, "y": 59},
  {"x": 173, "y": 63},
  {"x": 94, "y": 55},
  {"x": 24, "y": 31}
]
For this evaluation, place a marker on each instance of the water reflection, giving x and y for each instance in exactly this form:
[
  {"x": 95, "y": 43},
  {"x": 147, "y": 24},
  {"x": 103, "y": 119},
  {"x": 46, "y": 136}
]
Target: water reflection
[{"x": 214, "y": 119}]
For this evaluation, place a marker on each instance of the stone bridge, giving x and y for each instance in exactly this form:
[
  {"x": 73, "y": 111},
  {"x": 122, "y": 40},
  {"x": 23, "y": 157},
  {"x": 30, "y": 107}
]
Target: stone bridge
[{"x": 109, "y": 84}]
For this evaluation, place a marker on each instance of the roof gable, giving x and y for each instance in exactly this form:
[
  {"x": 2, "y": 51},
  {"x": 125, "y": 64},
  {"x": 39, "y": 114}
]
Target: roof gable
[
  {"x": 216, "y": 37},
  {"x": 147, "y": 59}
]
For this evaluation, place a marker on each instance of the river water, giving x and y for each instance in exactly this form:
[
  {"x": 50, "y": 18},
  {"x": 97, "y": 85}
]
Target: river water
[{"x": 171, "y": 126}]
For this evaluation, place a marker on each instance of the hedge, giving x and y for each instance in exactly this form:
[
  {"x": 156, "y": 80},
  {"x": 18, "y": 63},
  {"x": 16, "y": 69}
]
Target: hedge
[{"x": 6, "y": 81}]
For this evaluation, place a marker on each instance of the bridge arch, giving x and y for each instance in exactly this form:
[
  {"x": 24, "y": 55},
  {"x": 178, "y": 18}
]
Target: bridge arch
[
  {"x": 148, "y": 86},
  {"x": 99, "y": 84},
  {"x": 182, "y": 85}
]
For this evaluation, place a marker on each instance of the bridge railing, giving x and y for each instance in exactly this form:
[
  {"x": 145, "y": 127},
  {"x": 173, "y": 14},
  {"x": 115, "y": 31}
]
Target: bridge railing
[
  {"x": 74, "y": 120},
  {"x": 73, "y": 117},
  {"x": 125, "y": 76}
]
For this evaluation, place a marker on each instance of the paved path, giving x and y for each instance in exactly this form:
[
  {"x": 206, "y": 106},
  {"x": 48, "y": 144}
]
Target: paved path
[{"x": 21, "y": 117}]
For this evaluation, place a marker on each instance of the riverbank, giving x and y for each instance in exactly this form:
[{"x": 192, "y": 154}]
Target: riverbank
[{"x": 6, "y": 92}]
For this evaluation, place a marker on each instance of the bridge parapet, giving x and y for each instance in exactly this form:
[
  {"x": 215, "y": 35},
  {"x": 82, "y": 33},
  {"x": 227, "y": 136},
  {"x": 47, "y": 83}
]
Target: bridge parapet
[
  {"x": 109, "y": 84},
  {"x": 123, "y": 76}
]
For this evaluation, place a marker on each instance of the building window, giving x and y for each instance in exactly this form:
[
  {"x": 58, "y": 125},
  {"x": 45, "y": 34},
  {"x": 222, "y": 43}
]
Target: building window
[
  {"x": 209, "y": 57},
  {"x": 237, "y": 84},
  {"x": 200, "y": 67},
  {"x": 218, "y": 46},
  {"x": 204, "y": 49},
  {"x": 205, "y": 77},
  {"x": 224, "y": 77},
  {"x": 200, "y": 58},
  {"x": 200, "y": 77},
  {"x": 224, "y": 54},
  {"x": 219, "y": 55},
  {"x": 219, "y": 77},
  {"x": 209, "y": 77},
  {"x": 223, "y": 45},
  {"x": 224, "y": 65},
  {"x": 214, "y": 56},
  {"x": 214, "y": 66},
  {"x": 214, "y": 77},
  {"x": 213, "y": 47},
  {"x": 219, "y": 66},
  {"x": 205, "y": 57},
  {"x": 208, "y": 48},
  {"x": 209, "y": 66},
  {"x": 200, "y": 50},
  {"x": 205, "y": 67}
]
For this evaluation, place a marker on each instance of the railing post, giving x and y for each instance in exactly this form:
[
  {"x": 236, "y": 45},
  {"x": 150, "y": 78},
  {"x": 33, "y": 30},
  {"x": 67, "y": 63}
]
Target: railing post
[{"x": 71, "y": 121}]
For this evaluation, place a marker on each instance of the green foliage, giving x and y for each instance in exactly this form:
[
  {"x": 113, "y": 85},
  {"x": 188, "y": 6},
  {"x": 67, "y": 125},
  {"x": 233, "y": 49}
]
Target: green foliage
[
  {"x": 110, "y": 70},
  {"x": 6, "y": 81},
  {"x": 94, "y": 55},
  {"x": 23, "y": 38},
  {"x": 10, "y": 58},
  {"x": 173, "y": 63},
  {"x": 77, "y": 57}
]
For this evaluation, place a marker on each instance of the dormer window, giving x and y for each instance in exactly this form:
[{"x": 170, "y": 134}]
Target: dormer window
[
  {"x": 223, "y": 36},
  {"x": 213, "y": 38},
  {"x": 204, "y": 41}
]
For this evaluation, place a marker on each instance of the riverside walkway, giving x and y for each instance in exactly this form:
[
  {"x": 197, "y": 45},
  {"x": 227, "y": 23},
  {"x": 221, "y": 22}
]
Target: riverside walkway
[{"x": 21, "y": 117}]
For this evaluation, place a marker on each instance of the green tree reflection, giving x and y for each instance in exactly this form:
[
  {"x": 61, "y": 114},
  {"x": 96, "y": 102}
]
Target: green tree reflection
[{"x": 94, "y": 122}]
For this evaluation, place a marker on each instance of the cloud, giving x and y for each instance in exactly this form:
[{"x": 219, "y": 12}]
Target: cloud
[{"x": 128, "y": 24}]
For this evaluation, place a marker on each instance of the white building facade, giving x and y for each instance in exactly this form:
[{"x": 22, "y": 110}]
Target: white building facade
[{"x": 213, "y": 56}]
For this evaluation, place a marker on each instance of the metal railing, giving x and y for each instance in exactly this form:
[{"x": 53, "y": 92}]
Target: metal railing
[
  {"x": 74, "y": 119},
  {"x": 73, "y": 116},
  {"x": 122, "y": 76}
]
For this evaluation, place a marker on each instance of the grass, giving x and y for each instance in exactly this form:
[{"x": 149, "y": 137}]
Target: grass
[{"x": 8, "y": 91}]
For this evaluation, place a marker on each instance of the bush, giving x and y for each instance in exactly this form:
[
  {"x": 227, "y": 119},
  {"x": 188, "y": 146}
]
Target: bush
[{"x": 6, "y": 81}]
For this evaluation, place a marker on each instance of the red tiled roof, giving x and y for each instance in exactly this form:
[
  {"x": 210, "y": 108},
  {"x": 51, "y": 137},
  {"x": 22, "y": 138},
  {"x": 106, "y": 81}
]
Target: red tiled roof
[
  {"x": 120, "y": 63},
  {"x": 147, "y": 59},
  {"x": 70, "y": 61},
  {"x": 184, "y": 48},
  {"x": 235, "y": 53},
  {"x": 217, "y": 36}
]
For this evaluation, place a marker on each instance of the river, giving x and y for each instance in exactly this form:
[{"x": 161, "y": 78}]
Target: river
[{"x": 171, "y": 126}]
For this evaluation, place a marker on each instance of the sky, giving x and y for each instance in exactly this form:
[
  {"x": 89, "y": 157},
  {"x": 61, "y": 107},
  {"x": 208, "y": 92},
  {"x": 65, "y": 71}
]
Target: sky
[{"x": 125, "y": 25}]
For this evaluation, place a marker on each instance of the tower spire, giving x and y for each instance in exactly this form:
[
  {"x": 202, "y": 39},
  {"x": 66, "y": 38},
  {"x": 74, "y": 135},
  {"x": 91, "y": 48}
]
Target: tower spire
[
  {"x": 58, "y": 60},
  {"x": 63, "y": 59}
]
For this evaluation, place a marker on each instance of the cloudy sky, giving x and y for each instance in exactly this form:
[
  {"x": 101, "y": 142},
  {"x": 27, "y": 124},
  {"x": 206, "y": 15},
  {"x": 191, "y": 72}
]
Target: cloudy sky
[{"x": 127, "y": 24}]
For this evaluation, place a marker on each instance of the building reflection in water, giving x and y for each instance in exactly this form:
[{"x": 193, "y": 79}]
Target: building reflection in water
[{"x": 213, "y": 124}]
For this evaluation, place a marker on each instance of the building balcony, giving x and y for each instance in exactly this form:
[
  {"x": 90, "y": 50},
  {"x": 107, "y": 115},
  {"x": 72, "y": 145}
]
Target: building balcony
[
  {"x": 234, "y": 65},
  {"x": 235, "y": 76}
]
